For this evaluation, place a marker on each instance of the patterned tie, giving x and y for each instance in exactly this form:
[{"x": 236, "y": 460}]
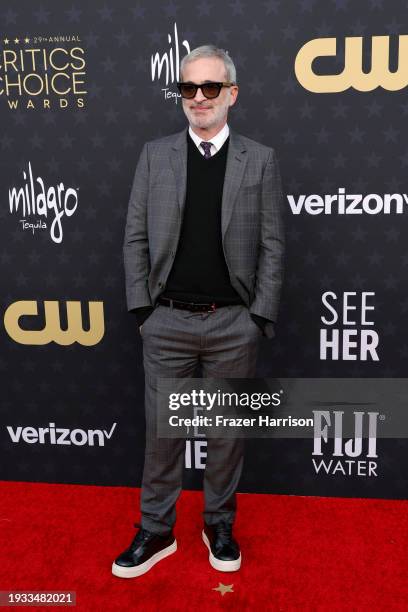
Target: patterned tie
[{"x": 207, "y": 149}]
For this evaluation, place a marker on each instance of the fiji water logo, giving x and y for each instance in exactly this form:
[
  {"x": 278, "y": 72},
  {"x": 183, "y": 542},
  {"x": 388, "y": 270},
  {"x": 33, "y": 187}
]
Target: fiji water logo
[
  {"x": 40, "y": 207},
  {"x": 355, "y": 456},
  {"x": 167, "y": 65}
]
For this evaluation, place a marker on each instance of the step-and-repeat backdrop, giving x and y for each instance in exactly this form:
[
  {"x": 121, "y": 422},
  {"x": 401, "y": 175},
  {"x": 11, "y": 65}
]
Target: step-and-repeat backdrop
[{"x": 82, "y": 87}]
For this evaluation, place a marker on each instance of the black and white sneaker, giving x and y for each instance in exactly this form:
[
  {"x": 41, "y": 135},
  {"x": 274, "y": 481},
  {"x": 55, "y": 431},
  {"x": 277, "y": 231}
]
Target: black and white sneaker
[
  {"x": 224, "y": 553},
  {"x": 145, "y": 550}
]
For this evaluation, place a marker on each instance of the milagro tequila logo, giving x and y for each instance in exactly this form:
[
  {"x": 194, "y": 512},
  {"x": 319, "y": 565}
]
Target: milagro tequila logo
[
  {"x": 35, "y": 203},
  {"x": 167, "y": 65}
]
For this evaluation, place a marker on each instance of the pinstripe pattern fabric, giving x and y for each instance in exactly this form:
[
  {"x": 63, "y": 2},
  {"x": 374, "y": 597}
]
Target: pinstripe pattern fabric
[{"x": 252, "y": 222}]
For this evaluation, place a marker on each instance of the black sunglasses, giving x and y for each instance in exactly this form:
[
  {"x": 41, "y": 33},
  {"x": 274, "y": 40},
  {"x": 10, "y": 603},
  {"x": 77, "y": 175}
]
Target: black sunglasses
[{"x": 209, "y": 90}]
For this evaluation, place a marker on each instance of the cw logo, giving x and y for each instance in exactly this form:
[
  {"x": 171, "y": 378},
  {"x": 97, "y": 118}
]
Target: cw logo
[
  {"x": 52, "y": 331},
  {"x": 352, "y": 75}
]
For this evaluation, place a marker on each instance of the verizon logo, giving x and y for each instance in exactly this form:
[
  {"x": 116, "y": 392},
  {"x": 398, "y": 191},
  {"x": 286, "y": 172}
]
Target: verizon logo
[
  {"x": 349, "y": 204},
  {"x": 60, "y": 435}
]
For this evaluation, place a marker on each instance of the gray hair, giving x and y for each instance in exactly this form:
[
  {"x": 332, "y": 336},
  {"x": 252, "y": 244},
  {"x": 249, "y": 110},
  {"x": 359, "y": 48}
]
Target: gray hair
[{"x": 211, "y": 51}]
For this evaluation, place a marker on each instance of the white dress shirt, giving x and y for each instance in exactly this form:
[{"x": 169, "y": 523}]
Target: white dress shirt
[{"x": 216, "y": 141}]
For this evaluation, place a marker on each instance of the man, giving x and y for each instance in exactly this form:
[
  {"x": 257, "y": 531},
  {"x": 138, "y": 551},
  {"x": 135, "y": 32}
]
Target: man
[{"x": 203, "y": 254}]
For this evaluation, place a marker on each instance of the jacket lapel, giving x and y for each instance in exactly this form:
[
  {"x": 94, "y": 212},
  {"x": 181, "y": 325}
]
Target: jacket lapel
[
  {"x": 179, "y": 164},
  {"x": 234, "y": 171}
]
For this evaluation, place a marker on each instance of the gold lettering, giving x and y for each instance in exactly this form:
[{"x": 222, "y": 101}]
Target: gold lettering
[{"x": 52, "y": 331}]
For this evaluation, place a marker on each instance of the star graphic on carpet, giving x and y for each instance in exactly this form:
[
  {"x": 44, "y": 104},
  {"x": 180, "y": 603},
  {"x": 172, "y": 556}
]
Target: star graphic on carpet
[{"x": 224, "y": 588}]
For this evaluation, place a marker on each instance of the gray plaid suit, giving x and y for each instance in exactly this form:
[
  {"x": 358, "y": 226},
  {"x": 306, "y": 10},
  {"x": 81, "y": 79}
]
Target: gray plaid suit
[{"x": 224, "y": 343}]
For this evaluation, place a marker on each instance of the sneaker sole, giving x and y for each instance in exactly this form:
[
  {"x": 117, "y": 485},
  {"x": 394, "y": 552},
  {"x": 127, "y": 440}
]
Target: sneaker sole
[
  {"x": 139, "y": 570},
  {"x": 218, "y": 564}
]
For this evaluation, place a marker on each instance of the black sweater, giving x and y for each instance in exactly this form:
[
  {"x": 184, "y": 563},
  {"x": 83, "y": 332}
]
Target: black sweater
[{"x": 199, "y": 272}]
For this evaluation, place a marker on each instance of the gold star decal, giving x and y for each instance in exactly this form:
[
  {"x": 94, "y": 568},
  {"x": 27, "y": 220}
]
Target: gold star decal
[
  {"x": 16, "y": 40},
  {"x": 26, "y": 40},
  {"x": 224, "y": 588},
  {"x": 6, "y": 41}
]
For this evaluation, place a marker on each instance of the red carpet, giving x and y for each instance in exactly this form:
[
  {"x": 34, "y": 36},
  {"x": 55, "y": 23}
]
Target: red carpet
[{"x": 299, "y": 553}]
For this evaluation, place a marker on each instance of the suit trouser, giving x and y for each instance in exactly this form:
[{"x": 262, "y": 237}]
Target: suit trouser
[{"x": 225, "y": 343}]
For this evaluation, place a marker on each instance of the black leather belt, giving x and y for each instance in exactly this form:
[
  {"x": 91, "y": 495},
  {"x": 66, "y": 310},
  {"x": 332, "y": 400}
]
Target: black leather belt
[{"x": 192, "y": 306}]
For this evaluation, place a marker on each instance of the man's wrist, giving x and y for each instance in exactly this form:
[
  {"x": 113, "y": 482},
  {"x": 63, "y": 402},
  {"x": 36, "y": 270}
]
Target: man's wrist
[
  {"x": 142, "y": 313},
  {"x": 261, "y": 321}
]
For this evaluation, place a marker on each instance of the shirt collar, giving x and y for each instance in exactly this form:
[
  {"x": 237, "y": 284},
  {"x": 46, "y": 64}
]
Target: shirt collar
[{"x": 217, "y": 140}]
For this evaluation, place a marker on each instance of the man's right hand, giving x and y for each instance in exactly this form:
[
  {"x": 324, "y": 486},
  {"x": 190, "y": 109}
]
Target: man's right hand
[{"x": 142, "y": 314}]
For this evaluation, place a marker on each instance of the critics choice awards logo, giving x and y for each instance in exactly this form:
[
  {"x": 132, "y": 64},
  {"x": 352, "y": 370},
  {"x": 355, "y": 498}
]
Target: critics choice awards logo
[{"x": 42, "y": 72}]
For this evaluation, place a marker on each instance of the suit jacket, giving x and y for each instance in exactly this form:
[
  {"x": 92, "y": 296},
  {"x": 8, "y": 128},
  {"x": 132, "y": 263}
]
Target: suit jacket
[{"x": 251, "y": 222}]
